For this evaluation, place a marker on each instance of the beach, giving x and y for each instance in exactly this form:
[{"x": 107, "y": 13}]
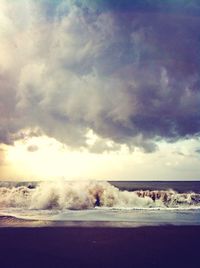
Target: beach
[
  {"x": 61, "y": 226},
  {"x": 160, "y": 246}
]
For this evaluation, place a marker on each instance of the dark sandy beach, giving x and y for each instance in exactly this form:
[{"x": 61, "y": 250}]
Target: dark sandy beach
[{"x": 163, "y": 246}]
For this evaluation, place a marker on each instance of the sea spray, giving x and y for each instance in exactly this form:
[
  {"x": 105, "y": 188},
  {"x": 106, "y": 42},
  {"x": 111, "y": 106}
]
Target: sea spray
[{"x": 87, "y": 195}]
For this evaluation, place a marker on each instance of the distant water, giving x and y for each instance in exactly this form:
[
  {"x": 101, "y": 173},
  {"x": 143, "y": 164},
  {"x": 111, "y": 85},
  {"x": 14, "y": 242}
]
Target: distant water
[
  {"x": 119, "y": 203},
  {"x": 179, "y": 186}
]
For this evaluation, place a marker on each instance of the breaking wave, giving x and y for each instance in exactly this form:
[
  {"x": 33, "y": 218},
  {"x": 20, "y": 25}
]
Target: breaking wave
[{"x": 87, "y": 195}]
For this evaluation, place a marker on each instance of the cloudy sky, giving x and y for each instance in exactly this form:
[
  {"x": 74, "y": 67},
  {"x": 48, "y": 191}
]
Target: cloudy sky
[{"x": 106, "y": 89}]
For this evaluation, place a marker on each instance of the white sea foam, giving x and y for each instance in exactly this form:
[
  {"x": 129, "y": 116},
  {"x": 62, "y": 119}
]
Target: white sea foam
[{"x": 87, "y": 195}]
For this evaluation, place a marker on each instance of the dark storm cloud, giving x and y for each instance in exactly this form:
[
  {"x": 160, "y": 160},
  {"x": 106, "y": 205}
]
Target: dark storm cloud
[
  {"x": 128, "y": 71},
  {"x": 178, "y": 6}
]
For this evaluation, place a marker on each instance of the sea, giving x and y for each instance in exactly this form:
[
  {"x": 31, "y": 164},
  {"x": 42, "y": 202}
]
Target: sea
[{"x": 99, "y": 203}]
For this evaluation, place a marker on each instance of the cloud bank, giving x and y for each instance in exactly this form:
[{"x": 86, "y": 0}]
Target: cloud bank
[{"x": 129, "y": 73}]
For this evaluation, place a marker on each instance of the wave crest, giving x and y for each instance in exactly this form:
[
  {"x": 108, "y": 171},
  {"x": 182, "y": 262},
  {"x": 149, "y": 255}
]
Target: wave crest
[{"x": 71, "y": 195}]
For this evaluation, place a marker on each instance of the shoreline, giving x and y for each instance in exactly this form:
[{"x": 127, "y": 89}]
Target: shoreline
[
  {"x": 155, "y": 246},
  {"x": 8, "y": 221}
]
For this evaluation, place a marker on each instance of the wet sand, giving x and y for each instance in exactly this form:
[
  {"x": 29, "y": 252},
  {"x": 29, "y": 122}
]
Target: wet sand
[{"x": 74, "y": 247}]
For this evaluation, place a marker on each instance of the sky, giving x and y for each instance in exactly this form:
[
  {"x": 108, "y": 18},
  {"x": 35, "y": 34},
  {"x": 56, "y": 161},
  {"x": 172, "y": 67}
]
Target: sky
[{"x": 100, "y": 89}]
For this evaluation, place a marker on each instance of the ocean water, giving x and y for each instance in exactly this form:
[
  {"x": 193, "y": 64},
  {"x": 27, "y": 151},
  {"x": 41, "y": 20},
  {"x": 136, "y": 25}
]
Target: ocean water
[{"x": 95, "y": 203}]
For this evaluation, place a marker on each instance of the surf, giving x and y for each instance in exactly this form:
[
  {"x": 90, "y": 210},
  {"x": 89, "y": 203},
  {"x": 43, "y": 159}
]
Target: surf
[{"x": 61, "y": 195}]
